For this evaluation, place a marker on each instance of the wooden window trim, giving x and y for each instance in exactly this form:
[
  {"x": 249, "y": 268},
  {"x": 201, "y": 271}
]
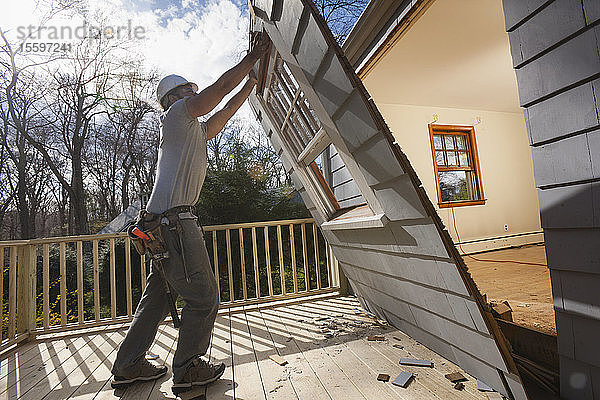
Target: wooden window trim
[
  {"x": 437, "y": 129},
  {"x": 325, "y": 186}
]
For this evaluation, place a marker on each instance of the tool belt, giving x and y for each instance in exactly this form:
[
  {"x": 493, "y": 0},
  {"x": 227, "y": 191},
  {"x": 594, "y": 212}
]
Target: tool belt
[{"x": 147, "y": 235}]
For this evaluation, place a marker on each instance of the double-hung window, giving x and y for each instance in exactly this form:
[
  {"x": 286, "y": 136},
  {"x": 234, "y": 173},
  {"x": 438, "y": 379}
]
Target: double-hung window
[
  {"x": 307, "y": 140},
  {"x": 456, "y": 165}
]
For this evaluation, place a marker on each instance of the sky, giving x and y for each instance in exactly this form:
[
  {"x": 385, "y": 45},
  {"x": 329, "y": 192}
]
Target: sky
[{"x": 198, "y": 39}]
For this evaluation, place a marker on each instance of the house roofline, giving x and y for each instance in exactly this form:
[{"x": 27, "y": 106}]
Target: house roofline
[{"x": 380, "y": 25}]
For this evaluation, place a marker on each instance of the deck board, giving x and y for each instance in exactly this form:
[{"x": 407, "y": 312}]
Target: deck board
[{"x": 344, "y": 366}]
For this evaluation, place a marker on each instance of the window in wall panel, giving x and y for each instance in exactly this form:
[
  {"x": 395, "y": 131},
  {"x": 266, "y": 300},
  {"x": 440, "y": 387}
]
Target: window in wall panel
[
  {"x": 338, "y": 179},
  {"x": 456, "y": 165},
  {"x": 301, "y": 130}
]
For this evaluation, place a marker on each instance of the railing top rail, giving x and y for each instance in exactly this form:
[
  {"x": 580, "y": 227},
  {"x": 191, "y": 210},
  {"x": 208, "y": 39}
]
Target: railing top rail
[
  {"x": 59, "y": 239},
  {"x": 258, "y": 224}
]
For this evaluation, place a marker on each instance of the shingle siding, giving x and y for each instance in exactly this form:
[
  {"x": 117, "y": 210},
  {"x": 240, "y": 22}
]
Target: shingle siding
[{"x": 556, "y": 54}]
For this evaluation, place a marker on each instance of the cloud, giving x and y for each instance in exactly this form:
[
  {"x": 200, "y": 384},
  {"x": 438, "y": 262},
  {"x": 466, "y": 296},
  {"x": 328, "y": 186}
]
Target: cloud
[{"x": 194, "y": 38}]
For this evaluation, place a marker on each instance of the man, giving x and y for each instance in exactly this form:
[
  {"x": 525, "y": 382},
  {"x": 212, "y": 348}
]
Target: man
[{"x": 180, "y": 173}]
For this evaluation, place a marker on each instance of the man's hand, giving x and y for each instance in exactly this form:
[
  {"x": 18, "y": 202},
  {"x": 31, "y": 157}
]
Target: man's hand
[
  {"x": 260, "y": 44},
  {"x": 203, "y": 102},
  {"x": 252, "y": 77}
]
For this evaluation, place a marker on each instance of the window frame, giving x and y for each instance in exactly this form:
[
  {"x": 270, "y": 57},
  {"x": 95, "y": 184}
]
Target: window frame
[
  {"x": 455, "y": 130},
  {"x": 303, "y": 146}
]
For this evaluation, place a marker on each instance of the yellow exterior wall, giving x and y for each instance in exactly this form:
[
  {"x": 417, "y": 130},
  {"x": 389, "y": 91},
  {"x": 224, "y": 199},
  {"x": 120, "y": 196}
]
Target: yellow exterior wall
[{"x": 421, "y": 77}]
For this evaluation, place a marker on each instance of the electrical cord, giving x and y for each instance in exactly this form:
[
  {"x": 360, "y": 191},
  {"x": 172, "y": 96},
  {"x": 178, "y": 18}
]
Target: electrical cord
[{"x": 480, "y": 259}]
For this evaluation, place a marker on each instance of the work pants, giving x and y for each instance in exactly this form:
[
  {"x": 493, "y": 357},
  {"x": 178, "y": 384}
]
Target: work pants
[{"x": 200, "y": 296}]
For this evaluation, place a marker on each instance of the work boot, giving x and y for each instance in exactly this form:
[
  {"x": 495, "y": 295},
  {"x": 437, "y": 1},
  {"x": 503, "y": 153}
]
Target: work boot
[
  {"x": 198, "y": 373},
  {"x": 143, "y": 370}
]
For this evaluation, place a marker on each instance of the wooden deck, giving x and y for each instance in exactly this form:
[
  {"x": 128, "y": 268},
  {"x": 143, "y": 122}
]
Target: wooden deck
[{"x": 344, "y": 366}]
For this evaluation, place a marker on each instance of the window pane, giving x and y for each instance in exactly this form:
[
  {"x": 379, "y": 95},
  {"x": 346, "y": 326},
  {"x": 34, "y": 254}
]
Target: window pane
[
  {"x": 301, "y": 129},
  {"x": 289, "y": 76},
  {"x": 437, "y": 142},
  {"x": 452, "y": 158},
  {"x": 439, "y": 158},
  {"x": 463, "y": 159},
  {"x": 461, "y": 142},
  {"x": 454, "y": 186},
  {"x": 277, "y": 111},
  {"x": 449, "y": 142},
  {"x": 308, "y": 112}
]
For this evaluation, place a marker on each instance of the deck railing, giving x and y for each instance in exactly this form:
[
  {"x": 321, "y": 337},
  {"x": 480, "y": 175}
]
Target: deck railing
[{"x": 65, "y": 283}]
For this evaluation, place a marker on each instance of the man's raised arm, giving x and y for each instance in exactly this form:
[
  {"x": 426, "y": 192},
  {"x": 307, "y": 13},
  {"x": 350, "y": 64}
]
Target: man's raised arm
[
  {"x": 216, "y": 122},
  {"x": 203, "y": 102}
]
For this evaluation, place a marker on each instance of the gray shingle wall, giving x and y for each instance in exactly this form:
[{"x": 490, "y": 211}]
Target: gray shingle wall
[
  {"x": 555, "y": 49},
  {"x": 407, "y": 270}
]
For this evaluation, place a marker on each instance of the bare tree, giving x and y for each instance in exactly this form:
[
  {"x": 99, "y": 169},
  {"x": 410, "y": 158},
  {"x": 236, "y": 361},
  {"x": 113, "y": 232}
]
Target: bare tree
[
  {"x": 341, "y": 15},
  {"x": 20, "y": 118}
]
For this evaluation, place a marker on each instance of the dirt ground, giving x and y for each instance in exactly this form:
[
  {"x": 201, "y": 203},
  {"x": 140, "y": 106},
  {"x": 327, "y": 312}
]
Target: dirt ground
[{"x": 526, "y": 287}]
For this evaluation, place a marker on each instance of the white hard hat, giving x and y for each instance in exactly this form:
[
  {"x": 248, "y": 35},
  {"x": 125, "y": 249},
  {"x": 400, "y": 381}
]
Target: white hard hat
[{"x": 169, "y": 83}]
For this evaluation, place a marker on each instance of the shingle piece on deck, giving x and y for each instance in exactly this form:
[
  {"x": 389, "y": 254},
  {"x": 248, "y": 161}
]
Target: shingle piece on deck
[
  {"x": 455, "y": 377},
  {"x": 383, "y": 377},
  {"x": 416, "y": 362},
  {"x": 278, "y": 359},
  {"x": 403, "y": 379}
]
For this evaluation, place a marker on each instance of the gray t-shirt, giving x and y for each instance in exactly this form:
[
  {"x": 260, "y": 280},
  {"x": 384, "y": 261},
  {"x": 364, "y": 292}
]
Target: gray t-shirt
[{"x": 181, "y": 160}]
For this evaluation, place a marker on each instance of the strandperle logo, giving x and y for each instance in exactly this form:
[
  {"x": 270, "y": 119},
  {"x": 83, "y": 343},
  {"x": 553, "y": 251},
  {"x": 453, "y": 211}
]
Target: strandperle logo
[{"x": 83, "y": 31}]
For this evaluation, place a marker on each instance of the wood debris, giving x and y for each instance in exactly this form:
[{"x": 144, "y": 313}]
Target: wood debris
[
  {"x": 455, "y": 377},
  {"x": 278, "y": 359},
  {"x": 383, "y": 377},
  {"x": 375, "y": 338},
  {"x": 398, "y": 346},
  {"x": 459, "y": 386},
  {"x": 502, "y": 310},
  {"x": 416, "y": 362}
]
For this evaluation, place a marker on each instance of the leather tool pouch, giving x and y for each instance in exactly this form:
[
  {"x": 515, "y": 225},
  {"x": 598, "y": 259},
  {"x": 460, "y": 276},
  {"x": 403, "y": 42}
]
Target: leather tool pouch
[
  {"x": 151, "y": 225},
  {"x": 138, "y": 243}
]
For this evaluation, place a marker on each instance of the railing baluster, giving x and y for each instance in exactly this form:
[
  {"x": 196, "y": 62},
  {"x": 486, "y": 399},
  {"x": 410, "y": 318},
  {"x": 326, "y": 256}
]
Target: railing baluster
[
  {"x": 12, "y": 293},
  {"x": 46, "y": 286},
  {"x": 113, "y": 281},
  {"x": 293, "y": 250},
  {"x": 243, "y": 263},
  {"x": 63, "y": 283},
  {"x": 335, "y": 269},
  {"x": 329, "y": 265},
  {"x": 216, "y": 258},
  {"x": 316, "y": 244},
  {"x": 305, "y": 257},
  {"x": 229, "y": 266},
  {"x": 268, "y": 254},
  {"x": 80, "y": 315},
  {"x": 281, "y": 267},
  {"x": 255, "y": 257},
  {"x": 128, "y": 276},
  {"x": 143, "y": 271},
  {"x": 96, "y": 280}
]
